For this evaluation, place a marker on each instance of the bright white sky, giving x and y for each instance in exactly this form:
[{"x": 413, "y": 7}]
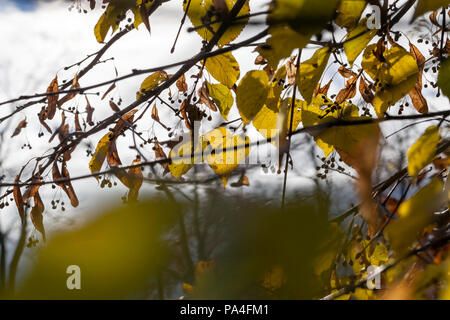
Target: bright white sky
[{"x": 38, "y": 43}]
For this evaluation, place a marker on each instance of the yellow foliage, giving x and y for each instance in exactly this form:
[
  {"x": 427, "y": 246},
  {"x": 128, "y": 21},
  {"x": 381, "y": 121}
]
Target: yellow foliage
[{"x": 423, "y": 151}]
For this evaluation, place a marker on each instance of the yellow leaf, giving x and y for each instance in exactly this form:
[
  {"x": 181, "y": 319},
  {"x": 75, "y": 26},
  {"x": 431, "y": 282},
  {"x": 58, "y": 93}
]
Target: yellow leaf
[
  {"x": 349, "y": 12},
  {"x": 357, "y": 40},
  {"x": 444, "y": 77},
  {"x": 151, "y": 82},
  {"x": 187, "y": 288},
  {"x": 276, "y": 85},
  {"x": 252, "y": 94},
  {"x": 182, "y": 158},
  {"x": 226, "y": 151},
  {"x": 267, "y": 121},
  {"x": 415, "y": 214},
  {"x": 429, "y": 5},
  {"x": 200, "y": 12},
  {"x": 423, "y": 151},
  {"x": 110, "y": 20},
  {"x": 224, "y": 68},
  {"x": 311, "y": 71},
  {"x": 350, "y": 139},
  {"x": 280, "y": 45},
  {"x": 395, "y": 77},
  {"x": 222, "y": 98},
  {"x": 100, "y": 153}
]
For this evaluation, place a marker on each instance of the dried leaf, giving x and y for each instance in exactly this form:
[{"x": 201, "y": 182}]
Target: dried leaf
[
  {"x": 114, "y": 106},
  {"x": 52, "y": 99},
  {"x": 203, "y": 95},
  {"x": 365, "y": 91},
  {"x": 18, "y": 198},
  {"x": 22, "y": 124},
  {"x": 111, "y": 88},
  {"x": 36, "y": 215},
  {"x": 181, "y": 84},
  {"x": 90, "y": 112}
]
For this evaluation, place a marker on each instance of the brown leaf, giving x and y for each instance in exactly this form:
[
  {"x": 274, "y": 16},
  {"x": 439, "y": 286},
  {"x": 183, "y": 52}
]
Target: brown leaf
[
  {"x": 260, "y": 60},
  {"x": 349, "y": 91},
  {"x": 181, "y": 84},
  {"x": 111, "y": 88},
  {"x": 160, "y": 154},
  {"x": 90, "y": 112},
  {"x": 123, "y": 122},
  {"x": 52, "y": 99},
  {"x": 322, "y": 90},
  {"x": 114, "y": 106},
  {"x": 32, "y": 189},
  {"x": 365, "y": 91},
  {"x": 416, "y": 95},
  {"x": 22, "y": 124},
  {"x": 112, "y": 156},
  {"x": 203, "y": 94},
  {"x": 42, "y": 115},
  {"x": 291, "y": 70},
  {"x": 69, "y": 188},
  {"x": 18, "y": 198},
  {"x": 243, "y": 181},
  {"x": 77, "y": 122},
  {"x": 36, "y": 215},
  {"x": 346, "y": 73},
  {"x": 155, "y": 115},
  {"x": 69, "y": 96},
  {"x": 134, "y": 178}
]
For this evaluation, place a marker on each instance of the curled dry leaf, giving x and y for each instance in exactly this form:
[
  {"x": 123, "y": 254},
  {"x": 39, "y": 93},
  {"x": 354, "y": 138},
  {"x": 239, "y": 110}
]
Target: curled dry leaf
[
  {"x": 89, "y": 111},
  {"x": 349, "y": 91},
  {"x": 22, "y": 124},
  {"x": 155, "y": 115},
  {"x": 203, "y": 94},
  {"x": 260, "y": 60},
  {"x": 53, "y": 98},
  {"x": 71, "y": 95},
  {"x": 77, "y": 122},
  {"x": 134, "y": 180},
  {"x": 32, "y": 189},
  {"x": 124, "y": 121},
  {"x": 346, "y": 73},
  {"x": 322, "y": 90},
  {"x": 114, "y": 106},
  {"x": 161, "y": 155},
  {"x": 68, "y": 186},
  {"x": 36, "y": 215},
  {"x": 416, "y": 95},
  {"x": 18, "y": 197},
  {"x": 365, "y": 91},
  {"x": 42, "y": 115},
  {"x": 181, "y": 84},
  {"x": 111, "y": 88},
  {"x": 291, "y": 70}
]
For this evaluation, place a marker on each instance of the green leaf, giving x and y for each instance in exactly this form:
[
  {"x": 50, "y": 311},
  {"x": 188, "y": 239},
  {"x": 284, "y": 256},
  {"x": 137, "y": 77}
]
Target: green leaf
[
  {"x": 202, "y": 11},
  {"x": 252, "y": 94},
  {"x": 100, "y": 153},
  {"x": 444, "y": 77},
  {"x": 349, "y": 12},
  {"x": 222, "y": 98},
  {"x": 224, "y": 68},
  {"x": 360, "y": 37},
  {"x": 311, "y": 71},
  {"x": 151, "y": 82},
  {"x": 395, "y": 77},
  {"x": 423, "y": 151}
]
